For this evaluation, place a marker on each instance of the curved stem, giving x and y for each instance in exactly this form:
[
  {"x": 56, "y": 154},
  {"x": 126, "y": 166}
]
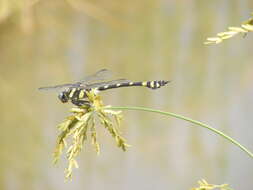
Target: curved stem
[{"x": 186, "y": 119}]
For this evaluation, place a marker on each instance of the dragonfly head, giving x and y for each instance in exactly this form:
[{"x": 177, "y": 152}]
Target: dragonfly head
[{"x": 63, "y": 96}]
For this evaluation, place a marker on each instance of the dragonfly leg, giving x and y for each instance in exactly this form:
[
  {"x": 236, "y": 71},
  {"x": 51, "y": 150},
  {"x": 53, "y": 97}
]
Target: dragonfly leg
[{"x": 80, "y": 102}]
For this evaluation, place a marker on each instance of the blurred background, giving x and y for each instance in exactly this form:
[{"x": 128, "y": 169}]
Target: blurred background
[{"x": 52, "y": 42}]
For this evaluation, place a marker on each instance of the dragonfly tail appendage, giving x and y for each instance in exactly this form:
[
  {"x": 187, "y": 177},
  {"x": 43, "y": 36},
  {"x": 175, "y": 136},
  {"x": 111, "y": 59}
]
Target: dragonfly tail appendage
[{"x": 156, "y": 84}]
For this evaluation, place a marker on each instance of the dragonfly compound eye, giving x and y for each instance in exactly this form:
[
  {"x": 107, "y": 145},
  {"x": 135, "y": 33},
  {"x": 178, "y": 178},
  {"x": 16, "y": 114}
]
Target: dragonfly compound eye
[{"x": 63, "y": 97}]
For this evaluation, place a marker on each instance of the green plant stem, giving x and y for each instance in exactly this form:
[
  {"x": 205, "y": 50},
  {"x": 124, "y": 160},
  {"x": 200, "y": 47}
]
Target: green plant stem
[{"x": 186, "y": 119}]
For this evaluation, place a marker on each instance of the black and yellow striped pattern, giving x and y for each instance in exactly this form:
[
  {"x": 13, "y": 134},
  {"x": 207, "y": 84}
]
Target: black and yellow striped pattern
[
  {"x": 148, "y": 84},
  {"x": 76, "y": 95}
]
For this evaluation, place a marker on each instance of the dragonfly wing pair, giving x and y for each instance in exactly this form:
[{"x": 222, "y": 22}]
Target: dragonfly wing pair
[{"x": 87, "y": 82}]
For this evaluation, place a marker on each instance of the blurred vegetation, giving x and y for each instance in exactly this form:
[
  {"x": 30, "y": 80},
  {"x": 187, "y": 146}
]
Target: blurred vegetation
[
  {"x": 50, "y": 42},
  {"x": 203, "y": 185},
  {"x": 246, "y": 27}
]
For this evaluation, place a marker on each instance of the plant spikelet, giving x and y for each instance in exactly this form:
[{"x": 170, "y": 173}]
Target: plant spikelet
[
  {"x": 203, "y": 185},
  {"x": 244, "y": 29},
  {"x": 81, "y": 125}
]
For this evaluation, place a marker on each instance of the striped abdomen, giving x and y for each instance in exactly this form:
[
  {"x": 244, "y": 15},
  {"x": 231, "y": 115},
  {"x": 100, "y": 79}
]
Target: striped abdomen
[
  {"x": 77, "y": 93},
  {"x": 148, "y": 84}
]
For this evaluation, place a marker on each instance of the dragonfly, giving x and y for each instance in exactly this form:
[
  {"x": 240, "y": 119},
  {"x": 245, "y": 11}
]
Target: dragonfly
[{"x": 76, "y": 92}]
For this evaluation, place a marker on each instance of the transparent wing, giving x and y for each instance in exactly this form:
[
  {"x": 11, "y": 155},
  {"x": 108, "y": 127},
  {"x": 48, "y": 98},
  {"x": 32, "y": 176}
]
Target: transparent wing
[
  {"x": 58, "y": 86},
  {"x": 99, "y": 75},
  {"x": 100, "y": 84}
]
